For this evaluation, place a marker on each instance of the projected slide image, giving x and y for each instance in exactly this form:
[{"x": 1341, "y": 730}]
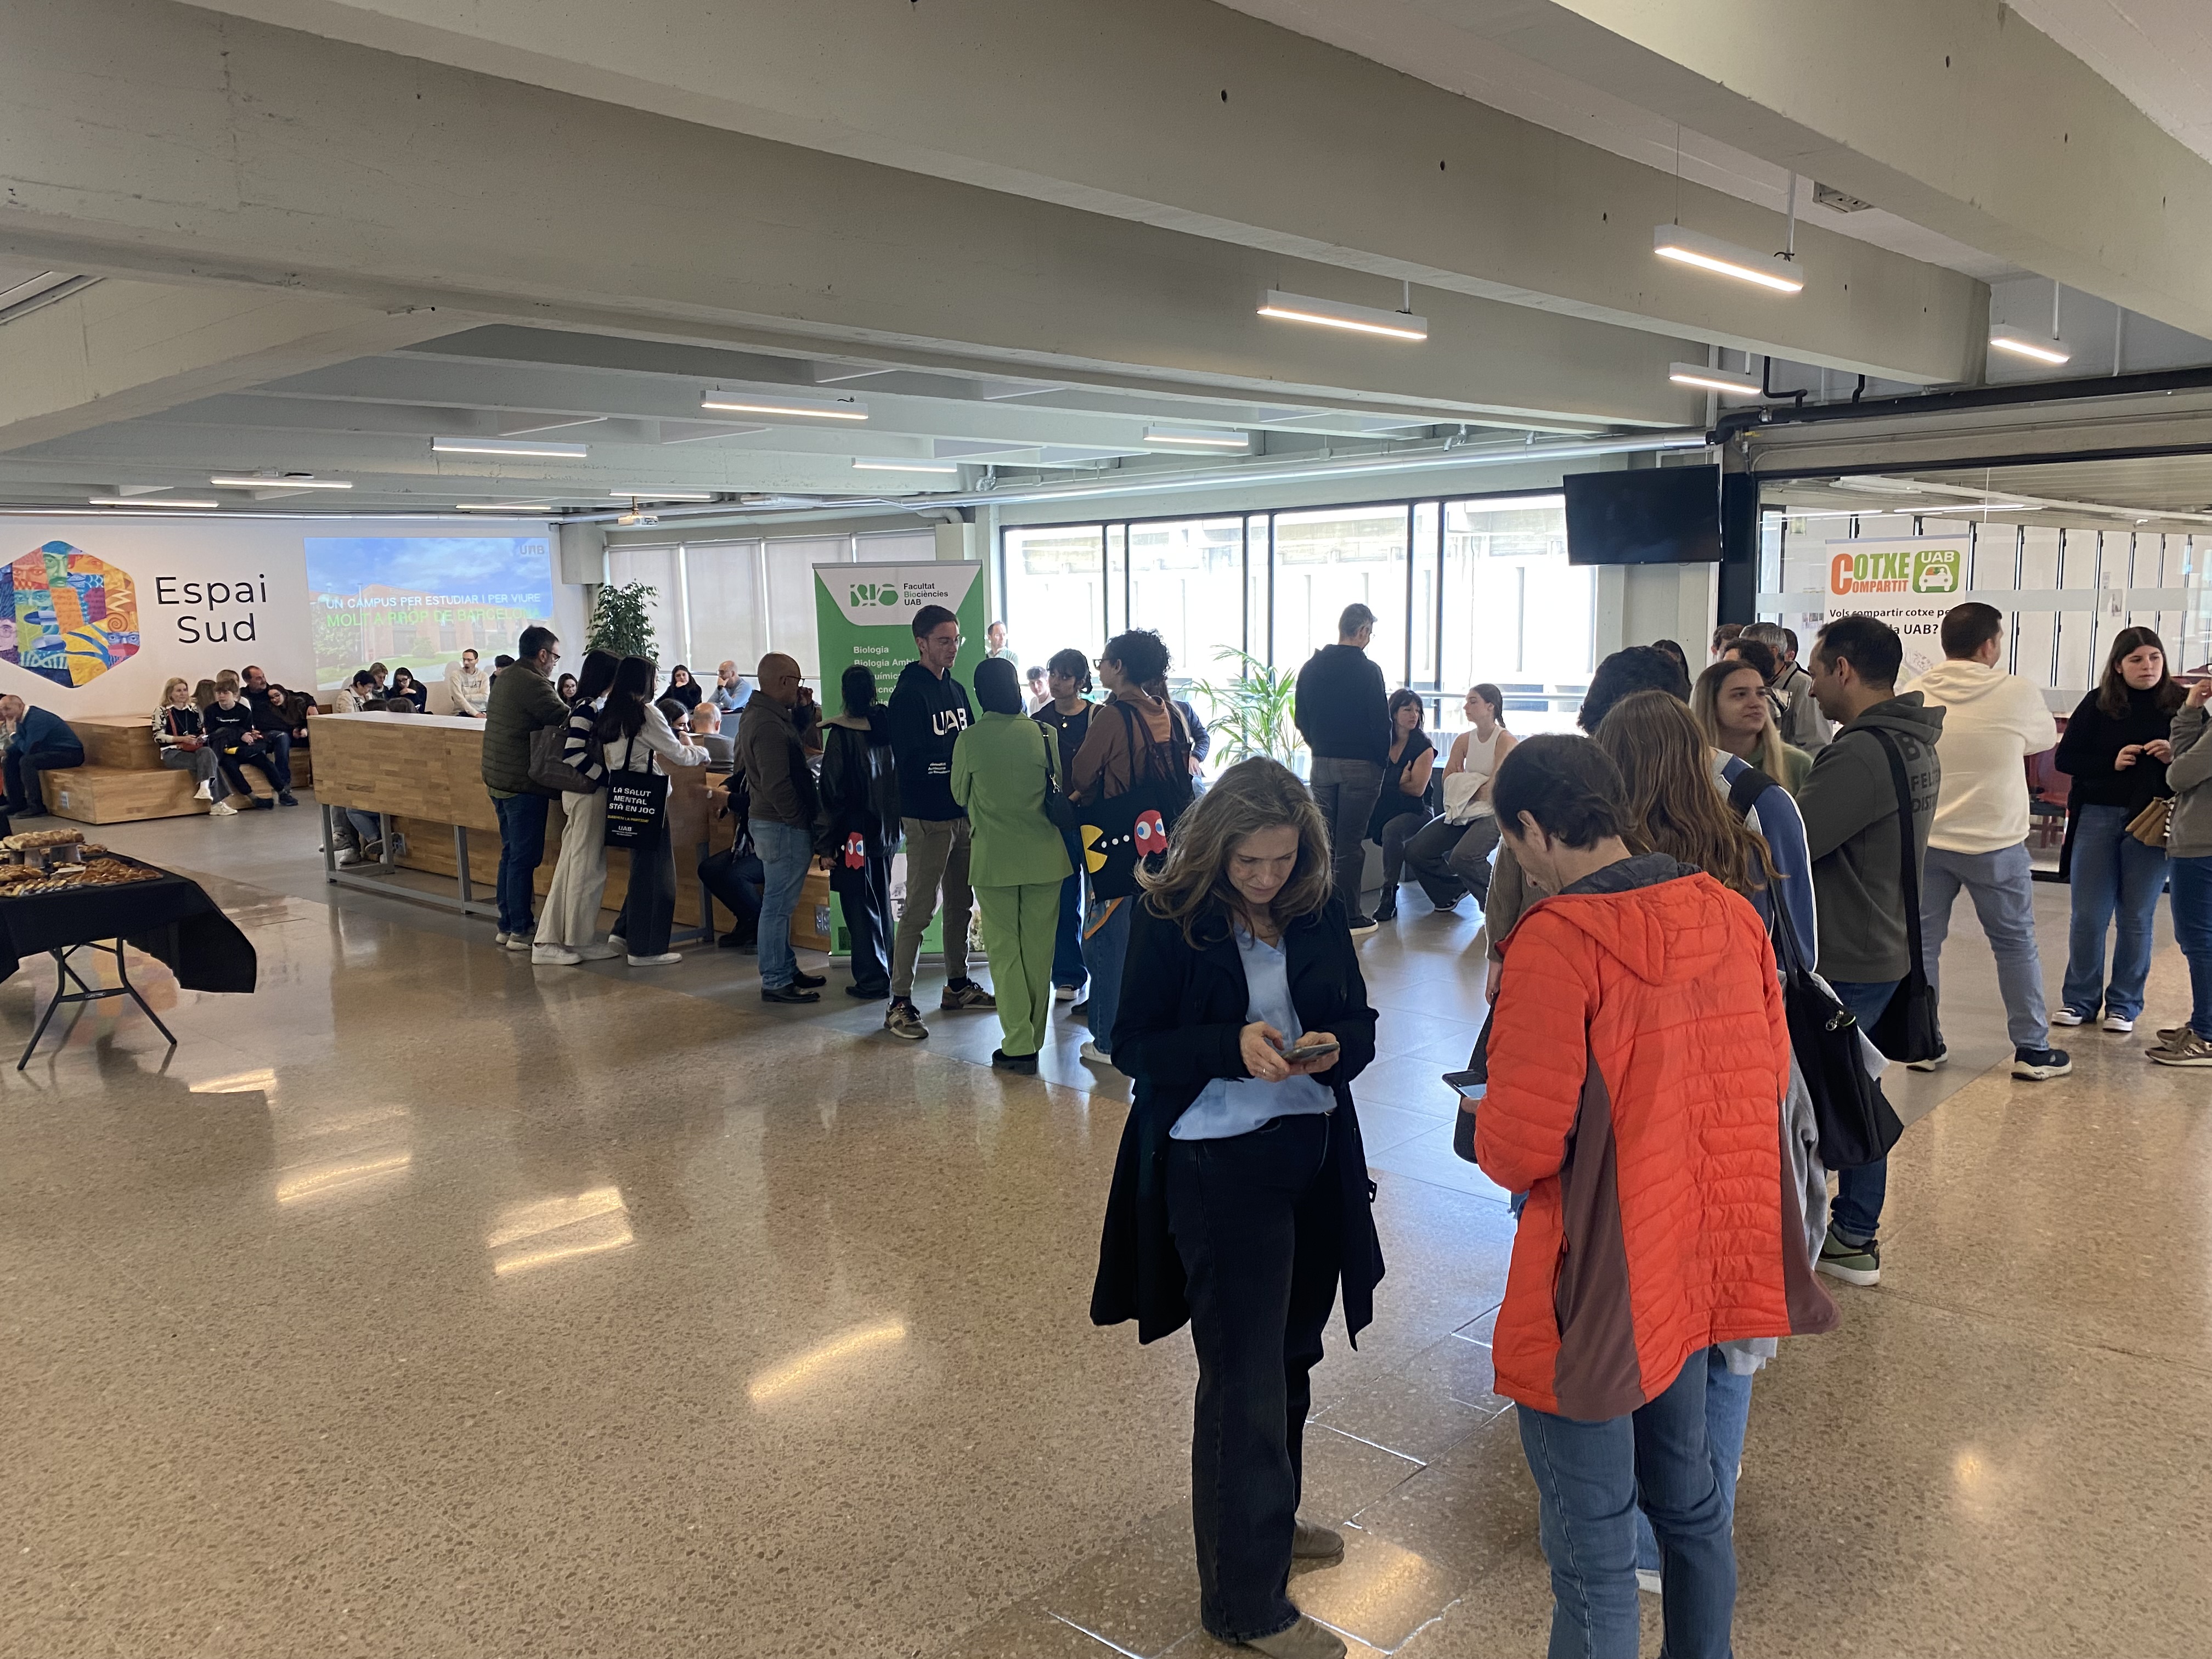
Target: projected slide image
[{"x": 420, "y": 601}]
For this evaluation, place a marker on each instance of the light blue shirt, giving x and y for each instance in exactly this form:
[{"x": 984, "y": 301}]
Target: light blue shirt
[
  {"x": 1236, "y": 1106},
  {"x": 730, "y": 700}
]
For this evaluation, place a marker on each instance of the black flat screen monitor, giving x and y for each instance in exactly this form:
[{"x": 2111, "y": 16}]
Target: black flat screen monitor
[{"x": 1656, "y": 516}]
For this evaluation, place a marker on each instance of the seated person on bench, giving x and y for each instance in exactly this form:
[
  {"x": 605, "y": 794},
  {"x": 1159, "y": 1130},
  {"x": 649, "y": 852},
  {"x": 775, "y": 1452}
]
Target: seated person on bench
[{"x": 39, "y": 740}]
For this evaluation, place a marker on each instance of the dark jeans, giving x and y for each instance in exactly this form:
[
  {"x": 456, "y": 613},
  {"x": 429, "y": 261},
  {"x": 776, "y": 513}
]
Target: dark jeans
[
  {"x": 865, "y": 896},
  {"x": 2190, "y": 880},
  {"x": 56, "y": 757},
  {"x": 1256, "y": 1220},
  {"x": 521, "y": 849},
  {"x": 1590, "y": 1480},
  {"x": 268, "y": 761},
  {"x": 1395, "y": 834},
  {"x": 1860, "y": 1192},
  {"x": 1067, "y": 942},
  {"x": 1347, "y": 791},
  {"x": 649, "y": 911},
  {"x": 737, "y": 883},
  {"x": 279, "y": 754}
]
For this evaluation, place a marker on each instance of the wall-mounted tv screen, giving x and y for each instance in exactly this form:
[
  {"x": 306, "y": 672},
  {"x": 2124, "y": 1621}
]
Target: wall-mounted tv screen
[{"x": 1656, "y": 516}]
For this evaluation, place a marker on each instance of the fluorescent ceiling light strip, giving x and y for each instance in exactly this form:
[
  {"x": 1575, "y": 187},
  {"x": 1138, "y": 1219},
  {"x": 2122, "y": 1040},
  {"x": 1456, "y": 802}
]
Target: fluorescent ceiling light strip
[
  {"x": 769, "y": 403},
  {"x": 941, "y": 467},
  {"x": 145, "y": 500},
  {"x": 243, "y": 483},
  {"x": 1689, "y": 247},
  {"x": 509, "y": 447},
  {"x": 1334, "y": 313},
  {"x": 662, "y": 495},
  {"x": 1198, "y": 438},
  {"x": 502, "y": 507},
  {"x": 2053, "y": 352},
  {"x": 1714, "y": 379}
]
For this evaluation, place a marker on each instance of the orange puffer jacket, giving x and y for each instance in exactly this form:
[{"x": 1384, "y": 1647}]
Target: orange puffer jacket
[{"x": 1638, "y": 1064}]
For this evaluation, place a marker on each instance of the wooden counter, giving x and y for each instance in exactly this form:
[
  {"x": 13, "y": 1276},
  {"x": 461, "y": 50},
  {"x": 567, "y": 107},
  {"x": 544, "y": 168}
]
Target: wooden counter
[{"x": 427, "y": 771}]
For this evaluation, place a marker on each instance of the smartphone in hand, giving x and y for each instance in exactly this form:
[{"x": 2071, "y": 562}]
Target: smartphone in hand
[{"x": 1302, "y": 1051}]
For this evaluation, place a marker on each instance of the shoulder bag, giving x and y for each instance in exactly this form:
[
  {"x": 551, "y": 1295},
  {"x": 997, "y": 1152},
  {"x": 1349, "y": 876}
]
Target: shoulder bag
[
  {"x": 1858, "y": 1125},
  {"x": 2150, "y": 826},
  {"x": 1124, "y": 832},
  {"x": 637, "y": 804},
  {"x": 1907, "y": 1029},
  {"x": 547, "y": 768},
  {"x": 1065, "y": 816},
  {"x": 187, "y": 741}
]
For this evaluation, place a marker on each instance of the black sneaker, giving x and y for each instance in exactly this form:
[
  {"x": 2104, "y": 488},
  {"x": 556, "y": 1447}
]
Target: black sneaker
[
  {"x": 1933, "y": 1062},
  {"x": 734, "y": 940},
  {"x": 965, "y": 995},
  {"x": 1025, "y": 1065},
  {"x": 1362, "y": 925},
  {"x": 788, "y": 994},
  {"x": 806, "y": 981},
  {"x": 263, "y": 804},
  {"x": 2039, "y": 1065},
  {"x": 286, "y": 798},
  {"x": 30, "y": 812},
  {"x": 868, "y": 992}
]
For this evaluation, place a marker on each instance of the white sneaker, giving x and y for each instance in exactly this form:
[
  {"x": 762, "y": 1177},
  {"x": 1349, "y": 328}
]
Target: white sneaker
[
  {"x": 520, "y": 941},
  {"x": 205, "y": 792},
  {"x": 1097, "y": 1056},
  {"x": 223, "y": 809},
  {"x": 553, "y": 956},
  {"x": 2068, "y": 1016},
  {"x": 600, "y": 950},
  {"x": 496, "y": 939},
  {"x": 2118, "y": 1025},
  {"x": 1649, "y": 1583},
  {"x": 661, "y": 960},
  {"x": 621, "y": 944}
]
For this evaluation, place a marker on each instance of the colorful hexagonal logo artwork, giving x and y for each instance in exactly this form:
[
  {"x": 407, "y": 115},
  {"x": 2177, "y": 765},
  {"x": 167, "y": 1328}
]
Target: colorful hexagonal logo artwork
[{"x": 67, "y": 614}]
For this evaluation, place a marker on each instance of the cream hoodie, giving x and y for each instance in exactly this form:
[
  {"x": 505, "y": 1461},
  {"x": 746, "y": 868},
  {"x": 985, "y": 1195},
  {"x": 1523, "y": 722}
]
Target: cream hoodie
[{"x": 1993, "y": 722}]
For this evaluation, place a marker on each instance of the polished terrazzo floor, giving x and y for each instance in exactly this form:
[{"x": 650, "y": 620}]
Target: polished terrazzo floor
[{"x": 425, "y": 1303}]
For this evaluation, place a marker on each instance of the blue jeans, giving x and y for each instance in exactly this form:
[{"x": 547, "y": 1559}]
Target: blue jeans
[
  {"x": 521, "y": 849},
  {"x": 1860, "y": 1192},
  {"x": 784, "y": 852},
  {"x": 1590, "y": 1478},
  {"x": 2002, "y": 886},
  {"x": 1067, "y": 942},
  {"x": 1728, "y": 1410},
  {"x": 2192, "y": 932},
  {"x": 2111, "y": 874},
  {"x": 1104, "y": 952}
]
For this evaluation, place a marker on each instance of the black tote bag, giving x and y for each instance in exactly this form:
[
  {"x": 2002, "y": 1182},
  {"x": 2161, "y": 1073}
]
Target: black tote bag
[
  {"x": 1858, "y": 1125},
  {"x": 637, "y": 804},
  {"x": 1907, "y": 1028},
  {"x": 1123, "y": 833}
]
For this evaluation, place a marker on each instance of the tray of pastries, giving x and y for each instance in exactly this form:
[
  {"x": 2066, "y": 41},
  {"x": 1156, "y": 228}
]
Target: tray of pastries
[
  {"x": 31, "y": 839},
  {"x": 25, "y": 880}
]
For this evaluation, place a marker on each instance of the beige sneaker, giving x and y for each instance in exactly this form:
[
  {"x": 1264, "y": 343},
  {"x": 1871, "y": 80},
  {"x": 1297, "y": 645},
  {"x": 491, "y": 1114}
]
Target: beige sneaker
[
  {"x": 1303, "y": 1640},
  {"x": 222, "y": 809},
  {"x": 2189, "y": 1050}
]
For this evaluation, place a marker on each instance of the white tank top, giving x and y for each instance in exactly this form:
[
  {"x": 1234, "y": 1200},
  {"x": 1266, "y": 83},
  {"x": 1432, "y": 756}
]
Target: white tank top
[
  {"x": 1481, "y": 757},
  {"x": 1477, "y": 762}
]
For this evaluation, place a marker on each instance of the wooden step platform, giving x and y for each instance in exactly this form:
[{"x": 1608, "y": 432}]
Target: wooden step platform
[{"x": 116, "y": 794}]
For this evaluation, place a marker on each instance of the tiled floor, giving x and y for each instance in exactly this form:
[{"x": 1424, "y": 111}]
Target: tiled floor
[{"x": 426, "y": 1303}]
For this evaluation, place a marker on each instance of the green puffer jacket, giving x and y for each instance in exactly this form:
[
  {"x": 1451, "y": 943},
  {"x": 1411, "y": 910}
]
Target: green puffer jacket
[{"x": 522, "y": 701}]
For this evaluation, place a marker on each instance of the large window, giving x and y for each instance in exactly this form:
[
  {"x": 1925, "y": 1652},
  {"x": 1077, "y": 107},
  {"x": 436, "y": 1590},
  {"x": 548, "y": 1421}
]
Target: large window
[{"x": 1462, "y": 590}]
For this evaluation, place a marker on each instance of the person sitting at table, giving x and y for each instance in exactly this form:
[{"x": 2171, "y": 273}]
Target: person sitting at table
[
  {"x": 468, "y": 686},
  {"x": 706, "y": 733},
  {"x": 404, "y": 684},
  {"x": 356, "y": 696},
  {"x": 183, "y": 745},
  {"x": 238, "y": 743},
  {"x": 39, "y": 740},
  {"x": 275, "y": 709},
  {"x": 682, "y": 687},
  {"x": 728, "y": 696}
]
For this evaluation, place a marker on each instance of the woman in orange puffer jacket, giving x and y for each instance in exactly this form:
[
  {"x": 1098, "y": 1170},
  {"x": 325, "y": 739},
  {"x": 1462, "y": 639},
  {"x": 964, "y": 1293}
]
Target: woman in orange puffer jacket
[{"x": 1639, "y": 1061}]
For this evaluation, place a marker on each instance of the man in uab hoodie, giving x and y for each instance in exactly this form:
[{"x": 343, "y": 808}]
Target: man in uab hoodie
[
  {"x": 1992, "y": 722},
  {"x": 929, "y": 710},
  {"x": 1850, "y": 807}
]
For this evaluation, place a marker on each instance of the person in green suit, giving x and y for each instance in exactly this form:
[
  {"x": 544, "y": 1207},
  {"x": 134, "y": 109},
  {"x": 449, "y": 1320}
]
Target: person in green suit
[{"x": 1002, "y": 766}]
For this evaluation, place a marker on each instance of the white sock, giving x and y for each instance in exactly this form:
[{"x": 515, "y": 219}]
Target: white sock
[{"x": 206, "y": 793}]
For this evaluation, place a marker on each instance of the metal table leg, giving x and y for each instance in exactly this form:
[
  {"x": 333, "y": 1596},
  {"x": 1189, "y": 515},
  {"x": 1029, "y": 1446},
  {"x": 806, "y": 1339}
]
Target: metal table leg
[{"x": 66, "y": 974}]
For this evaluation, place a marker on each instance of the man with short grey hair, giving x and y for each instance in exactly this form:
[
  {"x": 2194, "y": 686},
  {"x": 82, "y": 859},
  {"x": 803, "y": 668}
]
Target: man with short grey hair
[
  {"x": 1342, "y": 713},
  {"x": 1798, "y": 715}
]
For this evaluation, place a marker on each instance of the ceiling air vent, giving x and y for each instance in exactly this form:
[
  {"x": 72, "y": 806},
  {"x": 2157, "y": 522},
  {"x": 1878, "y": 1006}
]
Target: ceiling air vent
[{"x": 1836, "y": 202}]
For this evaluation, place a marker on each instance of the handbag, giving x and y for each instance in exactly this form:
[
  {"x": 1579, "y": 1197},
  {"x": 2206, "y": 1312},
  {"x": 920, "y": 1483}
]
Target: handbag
[
  {"x": 547, "y": 768},
  {"x": 190, "y": 742},
  {"x": 2150, "y": 826},
  {"x": 637, "y": 803},
  {"x": 1907, "y": 1028},
  {"x": 1065, "y": 816},
  {"x": 1124, "y": 832},
  {"x": 1858, "y": 1125}
]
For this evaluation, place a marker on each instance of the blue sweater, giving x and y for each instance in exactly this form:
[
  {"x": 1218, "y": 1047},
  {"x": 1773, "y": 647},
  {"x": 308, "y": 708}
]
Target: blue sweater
[
  {"x": 1774, "y": 816},
  {"x": 41, "y": 729}
]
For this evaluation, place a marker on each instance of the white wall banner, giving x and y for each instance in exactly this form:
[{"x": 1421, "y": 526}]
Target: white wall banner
[
  {"x": 96, "y": 613},
  {"x": 1908, "y": 581}
]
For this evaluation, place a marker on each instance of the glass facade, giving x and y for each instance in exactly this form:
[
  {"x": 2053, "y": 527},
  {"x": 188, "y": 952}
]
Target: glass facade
[{"x": 1463, "y": 589}]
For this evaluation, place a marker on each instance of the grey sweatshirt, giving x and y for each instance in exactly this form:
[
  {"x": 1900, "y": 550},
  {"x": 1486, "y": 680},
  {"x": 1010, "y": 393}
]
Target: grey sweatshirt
[
  {"x": 1850, "y": 807},
  {"x": 2189, "y": 832}
]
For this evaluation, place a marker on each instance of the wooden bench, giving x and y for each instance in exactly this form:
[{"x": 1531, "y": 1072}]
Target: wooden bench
[{"x": 123, "y": 780}]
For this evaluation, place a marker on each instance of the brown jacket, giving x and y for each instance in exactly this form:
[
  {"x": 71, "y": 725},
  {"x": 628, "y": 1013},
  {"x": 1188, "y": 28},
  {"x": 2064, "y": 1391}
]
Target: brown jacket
[{"x": 1102, "y": 764}]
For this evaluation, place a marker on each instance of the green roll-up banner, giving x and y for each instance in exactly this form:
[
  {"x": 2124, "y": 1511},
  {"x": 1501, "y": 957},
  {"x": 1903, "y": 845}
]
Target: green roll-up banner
[{"x": 863, "y": 613}]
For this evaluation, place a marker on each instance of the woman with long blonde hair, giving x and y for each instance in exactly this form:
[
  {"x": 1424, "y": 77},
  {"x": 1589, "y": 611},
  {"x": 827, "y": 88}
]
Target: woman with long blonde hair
[
  {"x": 1240, "y": 1195},
  {"x": 183, "y": 742}
]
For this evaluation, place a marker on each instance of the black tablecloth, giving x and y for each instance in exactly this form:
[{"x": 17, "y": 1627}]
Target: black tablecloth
[{"x": 169, "y": 918}]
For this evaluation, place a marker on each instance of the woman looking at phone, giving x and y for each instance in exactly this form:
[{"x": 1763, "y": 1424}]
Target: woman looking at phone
[{"x": 1240, "y": 1194}]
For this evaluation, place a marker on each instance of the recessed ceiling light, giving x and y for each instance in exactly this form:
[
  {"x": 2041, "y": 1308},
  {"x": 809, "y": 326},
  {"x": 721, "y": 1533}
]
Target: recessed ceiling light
[
  {"x": 941, "y": 467},
  {"x": 502, "y": 507},
  {"x": 1197, "y": 438},
  {"x": 774, "y": 403},
  {"x": 276, "y": 481},
  {"x": 1714, "y": 379},
  {"x": 145, "y": 500},
  {"x": 660, "y": 495},
  {"x": 1689, "y": 247},
  {"x": 1334, "y": 313},
  {"x": 1873, "y": 484},
  {"x": 2036, "y": 347},
  {"x": 509, "y": 447}
]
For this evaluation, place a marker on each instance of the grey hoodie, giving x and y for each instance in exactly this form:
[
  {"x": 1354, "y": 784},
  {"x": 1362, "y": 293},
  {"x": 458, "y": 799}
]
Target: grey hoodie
[
  {"x": 1850, "y": 807},
  {"x": 2189, "y": 775}
]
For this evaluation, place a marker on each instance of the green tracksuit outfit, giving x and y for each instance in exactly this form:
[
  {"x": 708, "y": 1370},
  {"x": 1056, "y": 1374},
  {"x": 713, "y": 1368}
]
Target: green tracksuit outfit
[{"x": 1001, "y": 767}]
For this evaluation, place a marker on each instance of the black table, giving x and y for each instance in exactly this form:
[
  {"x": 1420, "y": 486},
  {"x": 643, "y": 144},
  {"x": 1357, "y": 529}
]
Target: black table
[{"x": 170, "y": 918}]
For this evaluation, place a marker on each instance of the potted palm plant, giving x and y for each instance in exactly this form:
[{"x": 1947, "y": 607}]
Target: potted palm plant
[{"x": 1251, "y": 713}]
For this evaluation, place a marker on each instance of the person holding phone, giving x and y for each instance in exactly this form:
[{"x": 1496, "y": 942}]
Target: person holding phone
[{"x": 1240, "y": 1195}]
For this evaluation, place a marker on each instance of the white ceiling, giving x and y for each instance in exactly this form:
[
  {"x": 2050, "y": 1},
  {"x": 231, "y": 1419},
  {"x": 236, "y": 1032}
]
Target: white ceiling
[{"x": 2158, "y": 52}]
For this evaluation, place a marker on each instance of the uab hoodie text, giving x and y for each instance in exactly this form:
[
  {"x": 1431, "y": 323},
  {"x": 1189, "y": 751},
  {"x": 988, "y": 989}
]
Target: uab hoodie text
[
  {"x": 1850, "y": 807},
  {"x": 927, "y": 717}
]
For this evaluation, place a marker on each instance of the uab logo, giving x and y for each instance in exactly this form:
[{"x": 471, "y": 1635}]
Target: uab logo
[
  {"x": 1935, "y": 570},
  {"x": 1895, "y": 570},
  {"x": 872, "y": 593}
]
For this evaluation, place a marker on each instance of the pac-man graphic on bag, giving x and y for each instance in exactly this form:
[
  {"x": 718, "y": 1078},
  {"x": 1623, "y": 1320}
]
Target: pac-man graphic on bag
[
  {"x": 1151, "y": 834},
  {"x": 856, "y": 851},
  {"x": 1094, "y": 849}
]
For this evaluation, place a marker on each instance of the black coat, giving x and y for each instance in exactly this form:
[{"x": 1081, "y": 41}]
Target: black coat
[{"x": 1182, "y": 1012}]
